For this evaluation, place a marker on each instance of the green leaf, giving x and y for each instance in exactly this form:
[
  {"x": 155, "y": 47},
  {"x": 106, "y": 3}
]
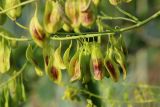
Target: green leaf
[{"x": 5, "y": 51}]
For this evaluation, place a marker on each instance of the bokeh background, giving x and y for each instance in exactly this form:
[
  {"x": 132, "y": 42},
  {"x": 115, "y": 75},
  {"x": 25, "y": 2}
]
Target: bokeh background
[{"x": 140, "y": 89}]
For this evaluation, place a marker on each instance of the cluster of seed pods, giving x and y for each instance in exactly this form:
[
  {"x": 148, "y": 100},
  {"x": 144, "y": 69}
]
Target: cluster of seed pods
[
  {"x": 76, "y": 14},
  {"x": 88, "y": 61}
]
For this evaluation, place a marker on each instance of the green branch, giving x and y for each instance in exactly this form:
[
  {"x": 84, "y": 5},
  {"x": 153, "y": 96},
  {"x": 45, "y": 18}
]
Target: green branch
[
  {"x": 139, "y": 24},
  {"x": 14, "y": 38},
  {"x": 117, "y": 18}
]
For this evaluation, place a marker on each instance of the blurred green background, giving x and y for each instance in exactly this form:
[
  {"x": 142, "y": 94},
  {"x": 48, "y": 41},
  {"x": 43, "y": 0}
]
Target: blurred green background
[{"x": 140, "y": 89}]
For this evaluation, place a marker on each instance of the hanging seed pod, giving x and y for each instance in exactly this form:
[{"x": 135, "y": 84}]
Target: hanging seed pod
[
  {"x": 111, "y": 65},
  {"x": 37, "y": 31},
  {"x": 53, "y": 16},
  {"x": 20, "y": 91},
  {"x": 84, "y": 59},
  {"x": 97, "y": 62},
  {"x": 72, "y": 12},
  {"x": 120, "y": 59},
  {"x": 66, "y": 57},
  {"x": 47, "y": 52},
  {"x": 87, "y": 13},
  {"x": 90, "y": 103},
  {"x": 71, "y": 94},
  {"x": 53, "y": 71},
  {"x": 5, "y": 51},
  {"x": 13, "y": 13},
  {"x": 58, "y": 59},
  {"x": 127, "y": 1},
  {"x": 122, "y": 45},
  {"x": 115, "y": 2},
  {"x": 67, "y": 27},
  {"x": 30, "y": 58},
  {"x": 96, "y": 2},
  {"x": 2, "y": 19},
  {"x": 74, "y": 66},
  {"x": 6, "y": 97},
  {"x": 12, "y": 87}
]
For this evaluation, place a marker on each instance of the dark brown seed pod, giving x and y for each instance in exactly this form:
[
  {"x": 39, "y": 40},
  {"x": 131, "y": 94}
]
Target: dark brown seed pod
[
  {"x": 87, "y": 13},
  {"x": 111, "y": 65},
  {"x": 37, "y": 31},
  {"x": 97, "y": 62},
  {"x": 53, "y": 16},
  {"x": 53, "y": 71},
  {"x": 72, "y": 12},
  {"x": 74, "y": 66}
]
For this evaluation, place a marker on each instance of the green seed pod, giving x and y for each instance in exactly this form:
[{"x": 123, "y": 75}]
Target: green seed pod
[
  {"x": 96, "y": 2},
  {"x": 30, "y": 58},
  {"x": 47, "y": 52},
  {"x": 53, "y": 71},
  {"x": 5, "y": 51},
  {"x": 71, "y": 94},
  {"x": 66, "y": 57},
  {"x": 90, "y": 103},
  {"x": 37, "y": 31},
  {"x": 115, "y": 2},
  {"x": 111, "y": 65},
  {"x": 72, "y": 12},
  {"x": 2, "y": 19},
  {"x": 58, "y": 59},
  {"x": 53, "y": 16},
  {"x": 6, "y": 97},
  {"x": 74, "y": 66},
  {"x": 20, "y": 91},
  {"x": 127, "y": 1},
  {"x": 87, "y": 13},
  {"x": 13, "y": 13},
  {"x": 67, "y": 27},
  {"x": 84, "y": 59},
  {"x": 120, "y": 59},
  {"x": 97, "y": 62},
  {"x": 122, "y": 45}
]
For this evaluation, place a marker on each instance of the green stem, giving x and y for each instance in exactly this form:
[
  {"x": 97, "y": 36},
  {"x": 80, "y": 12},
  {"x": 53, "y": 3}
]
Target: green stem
[
  {"x": 15, "y": 76},
  {"x": 117, "y": 101},
  {"x": 127, "y": 14},
  {"x": 117, "y": 18},
  {"x": 18, "y": 5},
  {"x": 13, "y": 38}
]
